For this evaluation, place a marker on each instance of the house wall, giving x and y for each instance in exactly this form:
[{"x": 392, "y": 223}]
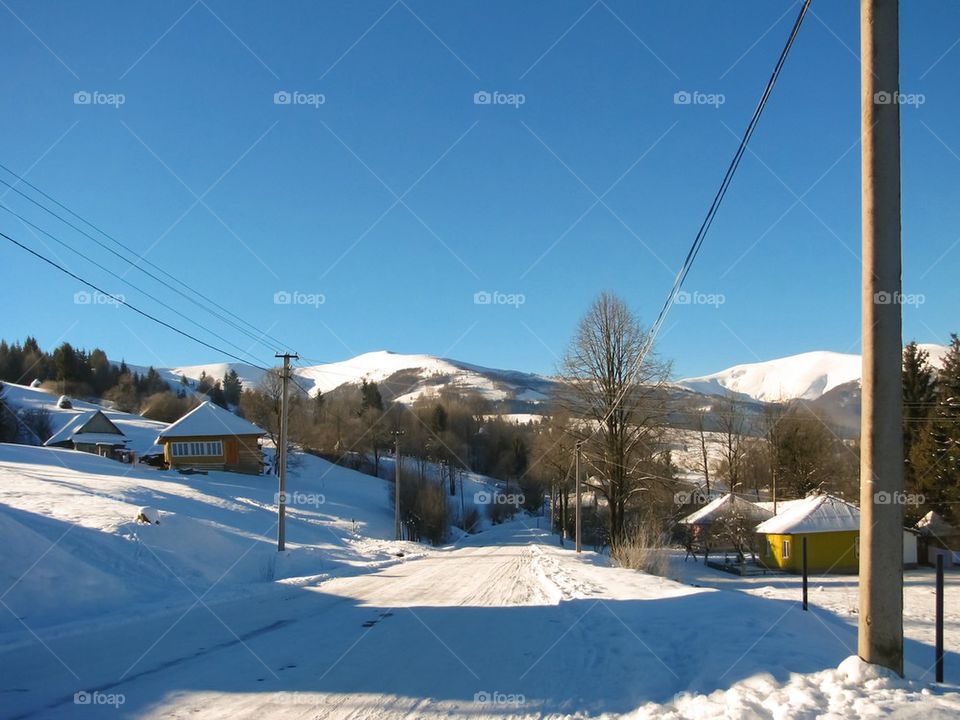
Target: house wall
[
  {"x": 241, "y": 453},
  {"x": 99, "y": 423},
  {"x": 834, "y": 552}
]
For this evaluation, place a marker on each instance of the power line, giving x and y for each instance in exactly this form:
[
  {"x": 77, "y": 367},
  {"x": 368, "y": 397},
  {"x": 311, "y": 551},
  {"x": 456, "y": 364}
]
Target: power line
[
  {"x": 713, "y": 209},
  {"x": 120, "y": 277},
  {"x": 258, "y": 335},
  {"x": 124, "y": 302}
]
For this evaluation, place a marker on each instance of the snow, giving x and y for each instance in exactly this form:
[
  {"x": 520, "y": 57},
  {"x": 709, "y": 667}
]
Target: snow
[
  {"x": 806, "y": 376},
  {"x": 207, "y": 420},
  {"x": 817, "y": 513},
  {"x": 140, "y": 432},
  {"x": 199, "y": 616},
  {"x": 726, "y": 504}
]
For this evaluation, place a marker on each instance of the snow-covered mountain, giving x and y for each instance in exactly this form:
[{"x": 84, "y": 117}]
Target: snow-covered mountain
[
  {"x": 807, "y": 376},
  {"x": 400, "y": 377}
]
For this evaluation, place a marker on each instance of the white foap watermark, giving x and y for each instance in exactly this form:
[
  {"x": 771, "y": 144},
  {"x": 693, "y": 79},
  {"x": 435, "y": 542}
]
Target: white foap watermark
[
  {"x": 298, "y": 499},
  {"x": 295, "y": 97},
  {"x": 96, "y": 97},
  {"x": 898, "y": 298},
  {"x": 295, "y": 297},
  {"x": 700, "y": 298},
  {"x": 484, "y": 497},
  {"x": 696, "y": 97},
  {"x": 495, "y": 97},
  {"x": 685, "y": 497},
  {"x": 898, "y": 498},
  {"x": 484, "y": 297},
  {"x": 85, "y": 297},
  {"x": 898, "y": 98},
  {"x": 496, "y": 698},
  {"x": 96, "y": 697}
]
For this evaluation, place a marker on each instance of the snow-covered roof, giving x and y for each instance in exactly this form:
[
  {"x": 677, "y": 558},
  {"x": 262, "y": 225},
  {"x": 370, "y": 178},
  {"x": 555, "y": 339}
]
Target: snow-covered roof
[
  {"x": 933, "y": 524},
  {"x": 782, "y": 505},
  {"x": 72, "y": 430},
  {"x": 815, "y": 514},
  {"x": 99, "y": 438},
  {"x": 724, "y": 507},
  {"x": 210, "y": 420}
]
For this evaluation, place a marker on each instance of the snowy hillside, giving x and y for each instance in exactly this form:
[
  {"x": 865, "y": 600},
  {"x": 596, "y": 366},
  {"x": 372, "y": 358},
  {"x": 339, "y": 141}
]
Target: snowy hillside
[
  {"x": 141, "y": 432},
  {"x": 402, "y": 377},
  {"x": 806, "y": 376}
]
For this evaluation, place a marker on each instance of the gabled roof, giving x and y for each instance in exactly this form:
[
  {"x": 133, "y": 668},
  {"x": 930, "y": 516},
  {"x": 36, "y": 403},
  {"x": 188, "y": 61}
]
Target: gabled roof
[
  {"x": 815, "y": 514},
  {"x": 933, "y": 524},
  {"x": 73, "y": 430},
  {"x": 209, "y": 420},
  {"x": 725, "y": 507}
]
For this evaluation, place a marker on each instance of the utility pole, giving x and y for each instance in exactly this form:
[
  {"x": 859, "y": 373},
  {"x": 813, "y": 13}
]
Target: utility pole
[
  {"x": 577, "y": 521},
  {"x": 397, "y": 434},
  {"x": 282, "y": 452},
  {"x": 881, "y": 430}
]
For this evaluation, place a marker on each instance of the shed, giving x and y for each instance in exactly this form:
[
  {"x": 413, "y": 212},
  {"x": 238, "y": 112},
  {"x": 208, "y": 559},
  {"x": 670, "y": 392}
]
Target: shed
[{"x": 91, "y": 432}]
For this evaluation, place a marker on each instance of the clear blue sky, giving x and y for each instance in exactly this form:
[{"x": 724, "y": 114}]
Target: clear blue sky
[{"x": 494, "y": 197}]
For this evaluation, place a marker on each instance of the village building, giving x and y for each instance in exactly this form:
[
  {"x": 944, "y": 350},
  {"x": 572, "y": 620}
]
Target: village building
[
  {"x": 211, "y": 438},
  {"x": 91, "y": 432}
]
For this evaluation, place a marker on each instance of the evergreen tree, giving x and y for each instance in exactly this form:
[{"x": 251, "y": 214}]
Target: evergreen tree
[
  {"x": 919, "y": 399},
  {"x": 232, "y": 387},
  {"x": 217, "y": 396},
  {"x": 370, "y": 398}
]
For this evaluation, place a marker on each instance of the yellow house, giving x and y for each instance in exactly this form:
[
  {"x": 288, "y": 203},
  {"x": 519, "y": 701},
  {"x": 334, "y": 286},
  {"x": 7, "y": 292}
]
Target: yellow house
[
  {"x": 211, "y": 438},
  {"x": 831, "y": 527}
]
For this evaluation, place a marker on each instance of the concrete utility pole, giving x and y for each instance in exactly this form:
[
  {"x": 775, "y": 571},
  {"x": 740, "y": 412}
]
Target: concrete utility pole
[
  {"x": 282, "y": 452},
  {"x": 577, "y": 520},
  {"x": 881, "y": 429},
  {"x": 397, "y": 434}
]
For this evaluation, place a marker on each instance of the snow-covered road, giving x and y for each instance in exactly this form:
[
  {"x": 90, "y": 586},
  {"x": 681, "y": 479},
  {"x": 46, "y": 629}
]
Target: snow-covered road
[{"x": 515, "y": 626}]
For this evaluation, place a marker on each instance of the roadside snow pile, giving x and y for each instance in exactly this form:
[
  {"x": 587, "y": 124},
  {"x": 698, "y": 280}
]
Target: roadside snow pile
[
  {"x": 854, "y": 690},
  {"x": 86, "y": 536}
]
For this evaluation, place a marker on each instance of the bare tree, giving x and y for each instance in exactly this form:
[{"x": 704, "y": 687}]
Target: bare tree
[
  {"x": 615, "y": 386},
  {"x": 732, "y": 424}
]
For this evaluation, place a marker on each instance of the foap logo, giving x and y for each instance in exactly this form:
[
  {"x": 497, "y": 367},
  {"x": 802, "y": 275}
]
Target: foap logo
[
  {"x": 484, "y": 297},
  {"x": 499, "y": 699},
  {"x": 95, "y": 97},
  {"x": 699, "y": 298},
  {"x": 496, "y": 497},
  {"x": 898, "y": 498},
  {"x": 300, "y": 499},
  {"x": 686, "y": 497},
  {"x": 695, "y": 97},
  {"x": 85, "y": 297},
  {"x": 295, "y": 97},
  {"x": 898, "y": 98},
  {"x": 898, "y": 298},
  {"x": 485, "y": 97},
  {"x": 95, "y": 697},
  {"x": 286, "y": 297}
]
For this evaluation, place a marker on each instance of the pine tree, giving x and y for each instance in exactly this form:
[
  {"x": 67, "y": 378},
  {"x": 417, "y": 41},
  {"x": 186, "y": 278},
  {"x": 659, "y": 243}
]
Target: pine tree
[
  {"x": 370, "y": 398},
  {"x": 919, "y": 400},
  {"x": 935, "y": 457},
  {"x": 232, "y": 387}
]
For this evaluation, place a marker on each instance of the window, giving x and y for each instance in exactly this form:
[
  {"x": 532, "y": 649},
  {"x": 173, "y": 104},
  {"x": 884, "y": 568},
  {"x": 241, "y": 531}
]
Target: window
[
  {"x": 786, "y": 549},
  {"x": 212, "y": 448}
]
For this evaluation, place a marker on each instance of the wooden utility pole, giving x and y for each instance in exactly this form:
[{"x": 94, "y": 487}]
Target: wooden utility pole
[
  {"x": 397, "y": 434},
  {"x": 881, "y": 424},
  {"x": 577, "y": 520},
  {"x": 282, "y": 452}
]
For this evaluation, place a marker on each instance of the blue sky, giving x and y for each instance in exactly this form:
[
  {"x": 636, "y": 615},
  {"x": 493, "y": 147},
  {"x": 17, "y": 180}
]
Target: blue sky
[{"x": 398, "y": 197}]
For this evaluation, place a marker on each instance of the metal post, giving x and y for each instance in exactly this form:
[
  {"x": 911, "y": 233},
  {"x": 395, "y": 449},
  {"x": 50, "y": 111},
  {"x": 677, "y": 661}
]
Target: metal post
[
  {"x": 396, "y": 489},
  {"x": 282, "y": 453},
  {"x": 804, "y": 573},
  {"x": 578, "y": 510},
  {"x": 939, "y": 614},
  {"x": 880, "y": 639}
]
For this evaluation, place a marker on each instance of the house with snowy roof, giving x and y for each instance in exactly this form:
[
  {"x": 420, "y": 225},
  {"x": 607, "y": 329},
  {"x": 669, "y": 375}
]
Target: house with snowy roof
[
  {"x": 831, "y": 527},
  {"x": 211, "y": 438},
  {"x": 91, "y": 432}
]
